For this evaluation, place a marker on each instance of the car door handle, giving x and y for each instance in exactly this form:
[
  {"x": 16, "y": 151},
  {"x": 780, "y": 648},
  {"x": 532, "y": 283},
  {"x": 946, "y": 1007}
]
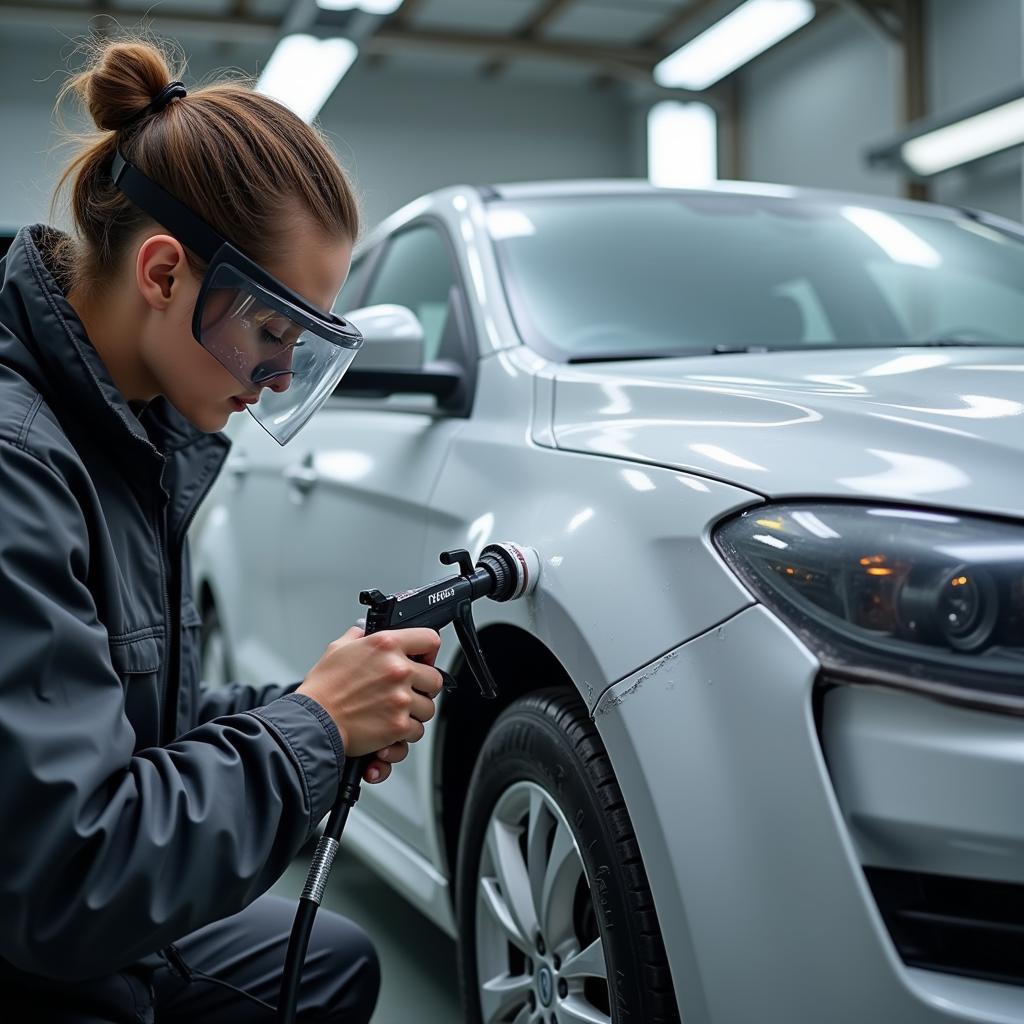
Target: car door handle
[
  {"x": 302, "y": 476},
  {"x": 238, "y": 466}
]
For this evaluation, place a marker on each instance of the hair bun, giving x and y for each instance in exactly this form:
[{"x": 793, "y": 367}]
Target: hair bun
[{"x": 120, "y": 81}]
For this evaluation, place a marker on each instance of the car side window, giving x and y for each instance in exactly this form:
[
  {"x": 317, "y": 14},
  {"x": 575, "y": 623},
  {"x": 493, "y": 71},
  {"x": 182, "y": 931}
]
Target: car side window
[{"x": 417, "y": 272}]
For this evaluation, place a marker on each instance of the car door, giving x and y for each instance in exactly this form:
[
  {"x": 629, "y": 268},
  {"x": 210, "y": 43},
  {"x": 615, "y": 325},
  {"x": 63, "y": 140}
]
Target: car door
[
  {"x": 233, "y": 559},
  {"x": 359, "y": 490}
]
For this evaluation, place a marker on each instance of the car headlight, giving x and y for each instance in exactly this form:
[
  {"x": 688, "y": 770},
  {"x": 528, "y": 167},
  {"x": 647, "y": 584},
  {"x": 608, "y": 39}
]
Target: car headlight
[{"x": 894, "y": 595}]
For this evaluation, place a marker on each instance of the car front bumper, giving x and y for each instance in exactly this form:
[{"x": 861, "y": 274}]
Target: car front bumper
[{"x": 756, "y": 855}]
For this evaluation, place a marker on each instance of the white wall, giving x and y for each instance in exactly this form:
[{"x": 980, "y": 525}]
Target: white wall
[
  {"x": 404, "y": 135},
  {"x": 813, "y": 107},
  {"x": 810, "y": 108},
  {"x": 974, "y": 52},
  {"x": 401, "y": 134}
]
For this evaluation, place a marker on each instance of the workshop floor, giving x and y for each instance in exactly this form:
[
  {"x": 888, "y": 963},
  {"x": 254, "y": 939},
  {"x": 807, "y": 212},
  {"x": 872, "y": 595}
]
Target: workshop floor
[{"x": 419, "y": 980}]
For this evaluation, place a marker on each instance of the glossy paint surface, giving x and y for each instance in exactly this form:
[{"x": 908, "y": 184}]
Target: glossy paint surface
[{"x": 922, "y": 425}]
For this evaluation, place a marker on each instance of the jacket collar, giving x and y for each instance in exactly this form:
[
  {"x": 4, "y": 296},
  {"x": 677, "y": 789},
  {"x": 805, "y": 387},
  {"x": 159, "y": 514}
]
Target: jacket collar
[{"x": 68, "y": 369}]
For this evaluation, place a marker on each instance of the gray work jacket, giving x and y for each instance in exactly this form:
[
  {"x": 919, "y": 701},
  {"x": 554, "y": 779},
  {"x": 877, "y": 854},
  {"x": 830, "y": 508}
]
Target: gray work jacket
[{"x": 135, "y": 804}]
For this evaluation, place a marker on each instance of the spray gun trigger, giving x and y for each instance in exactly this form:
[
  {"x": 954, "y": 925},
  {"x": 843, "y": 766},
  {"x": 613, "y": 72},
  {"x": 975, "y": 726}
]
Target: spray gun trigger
[{"x": 465, "y": 630}]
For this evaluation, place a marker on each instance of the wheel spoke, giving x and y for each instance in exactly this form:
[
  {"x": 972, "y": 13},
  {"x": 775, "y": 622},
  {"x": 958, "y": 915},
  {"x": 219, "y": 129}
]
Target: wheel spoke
[
  {"x": 501, "y": 995},
  {"x": 561, "y": 875},
  {"x": 588, "y": 963},
  {"x": 503, "y": 844},
  {"x": 575, "y": 1011},
  {"x": 499, "y": 910},
  {"x": 539, "y": 825}
]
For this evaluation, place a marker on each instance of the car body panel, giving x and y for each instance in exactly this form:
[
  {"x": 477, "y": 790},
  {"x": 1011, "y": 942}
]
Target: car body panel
[
  {"x": 241, "y": 521},
  {"x": 762, "y": 902},
  {"x": 928, "y": 426},
  {"x": 908, "y": 774},
  {"x": 603, "y": 531},
  {"x": 369, "y": 510}
]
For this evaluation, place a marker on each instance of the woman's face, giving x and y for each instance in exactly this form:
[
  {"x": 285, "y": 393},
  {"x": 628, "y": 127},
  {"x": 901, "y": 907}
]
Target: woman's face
[{"x": 253, "y": 339}]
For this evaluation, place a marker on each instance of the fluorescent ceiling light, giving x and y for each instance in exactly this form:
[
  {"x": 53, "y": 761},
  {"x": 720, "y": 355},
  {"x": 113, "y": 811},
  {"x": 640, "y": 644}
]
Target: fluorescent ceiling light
[
  {"x": 370, "y": 6},
  {"x": 303, "y": 71},
  {"x": 896, "y": 240},
  {"x": 966, "y": 140},
  {"x": 682, "y": 145},
  {"x": 752, "y": 28}
]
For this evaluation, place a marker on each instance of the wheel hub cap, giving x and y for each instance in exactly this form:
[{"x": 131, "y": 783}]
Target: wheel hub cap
[{"x": 545, "y": 986}]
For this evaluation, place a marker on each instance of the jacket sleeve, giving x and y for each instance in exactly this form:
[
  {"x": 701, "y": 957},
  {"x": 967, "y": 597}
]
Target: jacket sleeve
[
  {"x": 108, "y": 854},
  {"x": 218, "y": 701}
]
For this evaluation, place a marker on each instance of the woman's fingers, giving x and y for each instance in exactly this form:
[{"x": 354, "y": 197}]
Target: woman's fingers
[
  {"x": 377, "y": 771},
  {"x": 380, "y": 767},
  {"x": 396, "y": 752}
]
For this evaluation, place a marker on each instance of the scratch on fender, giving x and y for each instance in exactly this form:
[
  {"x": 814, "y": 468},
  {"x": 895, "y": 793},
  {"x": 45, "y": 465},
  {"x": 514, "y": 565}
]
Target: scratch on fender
[{"x": 618, "y": 698}]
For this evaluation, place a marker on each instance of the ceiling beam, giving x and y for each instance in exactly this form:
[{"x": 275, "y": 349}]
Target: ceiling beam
[
  {"x": 680, "y": 19},
  {"x": 877, "y": 17},
  {"x": 401, "y": 18},
  {"x": 532, "y": 29},
  {"x": 191, "y": 23},
  {"x": 629, "y": 61},
  {"x": 405, "y": 13}
]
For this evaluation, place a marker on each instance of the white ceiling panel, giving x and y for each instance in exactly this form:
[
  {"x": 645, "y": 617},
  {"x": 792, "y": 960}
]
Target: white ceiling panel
[
  {"x": 617, "y": 23},
  {"x": 489, "y": 16}
]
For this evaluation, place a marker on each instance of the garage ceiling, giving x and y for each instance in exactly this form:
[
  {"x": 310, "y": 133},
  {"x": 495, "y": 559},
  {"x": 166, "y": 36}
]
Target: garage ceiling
[{"x": 596, "y": 41}]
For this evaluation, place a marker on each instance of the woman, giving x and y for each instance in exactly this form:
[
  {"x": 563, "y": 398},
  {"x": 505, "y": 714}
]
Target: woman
[{"x": 213, "y": 231}]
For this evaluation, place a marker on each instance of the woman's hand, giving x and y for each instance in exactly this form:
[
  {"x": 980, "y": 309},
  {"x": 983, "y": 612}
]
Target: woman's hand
[
  {"x": 379, "y": 689},
  {"x": 379, "y": 768}
]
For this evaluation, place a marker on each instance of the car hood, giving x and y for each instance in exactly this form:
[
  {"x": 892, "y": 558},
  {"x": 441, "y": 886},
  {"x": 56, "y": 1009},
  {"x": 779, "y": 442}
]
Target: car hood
[{"x": 941, "y": 427}]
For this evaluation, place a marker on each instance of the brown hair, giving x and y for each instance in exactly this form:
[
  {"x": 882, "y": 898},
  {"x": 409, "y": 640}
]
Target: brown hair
[{"x": 235, "y": 157}]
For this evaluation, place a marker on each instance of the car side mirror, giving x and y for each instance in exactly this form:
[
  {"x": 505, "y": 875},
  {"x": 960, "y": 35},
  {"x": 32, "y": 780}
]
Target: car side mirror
[
  {"x": 392, "y": 359},
  {"x": 393, "y": 339}
]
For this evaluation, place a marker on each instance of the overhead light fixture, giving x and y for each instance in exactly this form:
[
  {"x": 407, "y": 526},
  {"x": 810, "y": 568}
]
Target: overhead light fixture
[
  {"x": 303, "y": 71},
  {"x": 963, "y": 141},
  {"x": 370, "y": 6},
  {"x": 936, "y": 145},
  {"x": 682, "y": 145},
  {"x": 755, "y": 26}
]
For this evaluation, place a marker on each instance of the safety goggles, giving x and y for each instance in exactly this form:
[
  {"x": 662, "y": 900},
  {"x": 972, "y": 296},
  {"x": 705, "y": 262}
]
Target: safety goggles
[{"x": 288, "y": 355}]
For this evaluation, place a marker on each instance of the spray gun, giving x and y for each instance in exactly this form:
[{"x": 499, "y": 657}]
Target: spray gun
[{"x": 504, "y": 572}]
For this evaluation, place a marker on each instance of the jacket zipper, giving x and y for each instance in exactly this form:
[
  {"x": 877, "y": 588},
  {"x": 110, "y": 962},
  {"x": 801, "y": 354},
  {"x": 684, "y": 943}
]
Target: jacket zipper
[{"x": 169, "y": 723}]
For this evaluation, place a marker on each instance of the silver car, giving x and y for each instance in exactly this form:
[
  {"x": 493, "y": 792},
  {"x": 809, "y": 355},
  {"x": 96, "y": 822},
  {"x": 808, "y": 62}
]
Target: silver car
[{"x": 757, "y": 753}]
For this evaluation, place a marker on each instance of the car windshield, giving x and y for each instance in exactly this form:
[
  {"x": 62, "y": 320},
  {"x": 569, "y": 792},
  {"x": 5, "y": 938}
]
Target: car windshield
[{"x": 668, "y": 274}]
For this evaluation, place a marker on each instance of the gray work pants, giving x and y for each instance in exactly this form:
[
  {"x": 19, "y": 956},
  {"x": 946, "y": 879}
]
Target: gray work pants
[{"x": 340, "y": 981}]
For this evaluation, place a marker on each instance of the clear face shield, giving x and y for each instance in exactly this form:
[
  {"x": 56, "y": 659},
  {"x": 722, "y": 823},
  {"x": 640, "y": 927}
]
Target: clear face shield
[
  {"x": 288, "y": 361},
  {"x": 287, "y": 355}
]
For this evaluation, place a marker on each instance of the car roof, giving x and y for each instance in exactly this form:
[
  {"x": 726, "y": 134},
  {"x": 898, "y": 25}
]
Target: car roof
[
  {"x": 439, "y": 201},
  {"x": 639, "y": 186}
]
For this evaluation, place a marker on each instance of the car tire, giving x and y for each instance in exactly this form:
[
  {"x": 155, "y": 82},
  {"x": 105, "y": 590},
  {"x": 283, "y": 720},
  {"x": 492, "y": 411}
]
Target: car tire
[
  {"x": 547, "y": 845},
  {"x": 216, "y": 668}
]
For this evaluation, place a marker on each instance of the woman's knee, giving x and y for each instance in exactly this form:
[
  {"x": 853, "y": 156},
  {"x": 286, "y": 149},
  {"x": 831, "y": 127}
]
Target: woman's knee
[{"x": 346, "y": 971}]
